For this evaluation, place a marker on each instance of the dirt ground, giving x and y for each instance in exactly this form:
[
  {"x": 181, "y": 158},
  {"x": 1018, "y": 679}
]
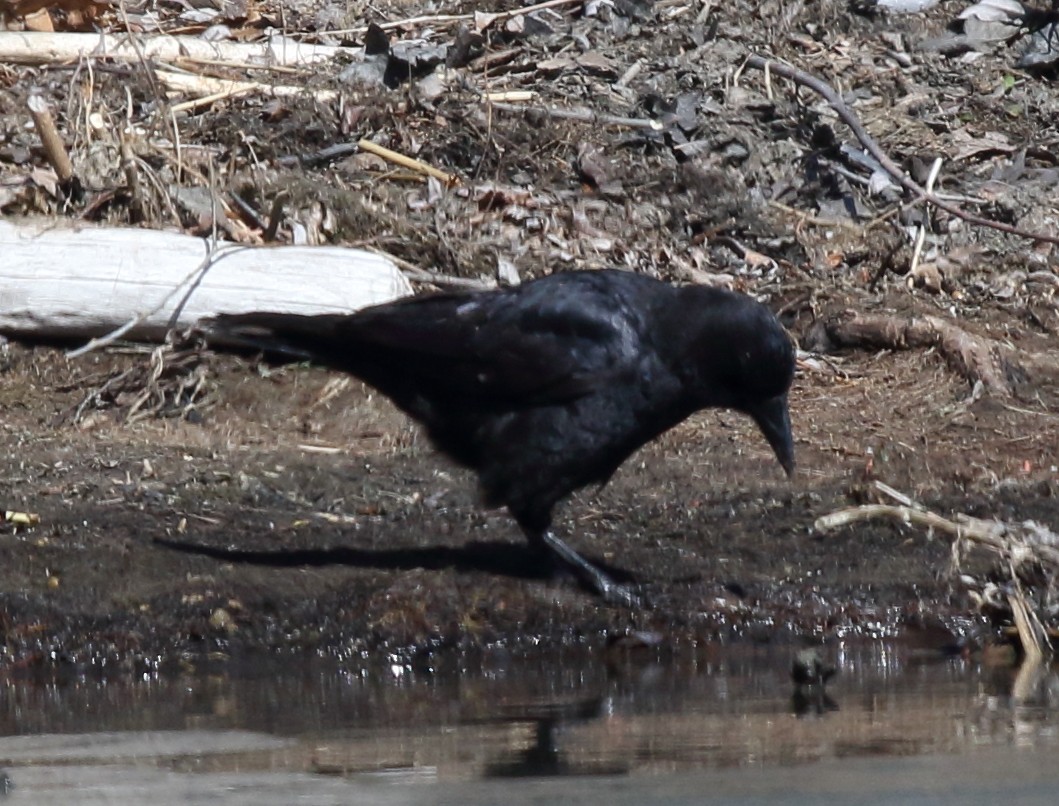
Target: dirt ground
[
  {"x": 293, "y": 518},
  {"x": 289, "y": 510}
]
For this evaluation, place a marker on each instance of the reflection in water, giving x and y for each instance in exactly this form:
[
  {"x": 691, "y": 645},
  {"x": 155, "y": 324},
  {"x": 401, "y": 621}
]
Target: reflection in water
[
  {"x": 811, "y": 673},
  {"x": 542, "y": 756},
  {"x": 812, "y": 701},
  {"x": 501, "y": 715}
]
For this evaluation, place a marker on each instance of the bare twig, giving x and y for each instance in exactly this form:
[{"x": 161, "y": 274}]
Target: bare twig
[
  {"x": 583, "y": 115},
  {"x": 54, "y": 149},
  {"x": 197, "y": 61},
  {"x": 921, "y": 230},
  {"x": 509, "y": 95},
  {"x": 324, "y": 155},
  {"x": 407, "y": 162},
  {"x": 1032, "y": 635},
  {"x": 275, "y": 215},
  {"x": 418, "y": 275},
  {"x": 1016, "y": 543},
  {"x": 851, "y": 120},
  {"x": 133, "y": 39},
  {"x": 132, "y": 179},
  {"x": 216, "y": 89},
  {"x": 427, "y": 19},
  {"x": 114, "y": 335}
]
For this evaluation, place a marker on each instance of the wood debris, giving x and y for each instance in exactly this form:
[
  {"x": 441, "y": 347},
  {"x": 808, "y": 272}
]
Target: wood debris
[{"x": 1026, "y": 554}]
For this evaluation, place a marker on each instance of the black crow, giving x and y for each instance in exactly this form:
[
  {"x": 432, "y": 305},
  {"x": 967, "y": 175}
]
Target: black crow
[{"x": 549, "y": 386}]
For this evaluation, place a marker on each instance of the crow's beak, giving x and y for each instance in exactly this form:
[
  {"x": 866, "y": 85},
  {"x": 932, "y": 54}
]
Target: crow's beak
[{"x": 773, "y": 417}]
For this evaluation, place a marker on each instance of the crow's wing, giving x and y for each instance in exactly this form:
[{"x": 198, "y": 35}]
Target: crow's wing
[{"x": 527, "y": 346}]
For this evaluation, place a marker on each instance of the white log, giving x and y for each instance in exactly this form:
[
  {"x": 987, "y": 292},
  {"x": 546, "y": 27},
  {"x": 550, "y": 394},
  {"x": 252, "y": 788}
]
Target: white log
[
  {"x": 32, "y": 47},
  {"x": 72, "y": 283}
]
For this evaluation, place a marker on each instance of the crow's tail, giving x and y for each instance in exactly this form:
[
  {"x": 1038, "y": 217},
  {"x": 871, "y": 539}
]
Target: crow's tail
[{"x": 288, "y": 336}]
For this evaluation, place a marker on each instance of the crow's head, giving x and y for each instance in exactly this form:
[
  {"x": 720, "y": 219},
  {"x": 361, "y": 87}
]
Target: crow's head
[{"x": 737, "y": 355}]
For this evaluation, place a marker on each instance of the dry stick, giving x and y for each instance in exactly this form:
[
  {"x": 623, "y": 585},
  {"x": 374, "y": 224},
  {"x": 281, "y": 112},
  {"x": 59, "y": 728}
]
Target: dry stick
[
  {"x": 518, "y": 12},
  {"x": 54, "y": 149},
  {"x": 825, "y": 91},
  {"x": 219, "y": 89},
  {"x": 135, "y": 44},
  {"x": 19, "y": 518},
  {"x": 992, "y": 534},
  {"x": 208, "y": 100},
  {"x": 418, "y": 275},
  {"x": 907, "y": 515},
  {"x": 921, "y": 230},
  {"x": 132, "y": 179},
  {"x": 275, "y": 216},
  {"x": 630, "y": 74},
  {"x": 436, "y": 19},
  {"x": 407, "y": 162},
  {"x": 999, "y": 537},
  {"x": 584, "y": 115},
  {"x": 809, "y": 218},
  {"x": 196, "y": 61},
  {"x": 1032, "y": 635},
  {"x": 501, "y": 96}
]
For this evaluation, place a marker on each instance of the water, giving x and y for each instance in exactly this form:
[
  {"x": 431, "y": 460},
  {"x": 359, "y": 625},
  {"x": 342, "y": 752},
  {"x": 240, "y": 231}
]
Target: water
[{"x": 723, "y": 725}]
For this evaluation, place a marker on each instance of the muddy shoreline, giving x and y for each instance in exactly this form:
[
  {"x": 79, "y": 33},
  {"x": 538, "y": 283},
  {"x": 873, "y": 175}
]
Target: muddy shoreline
[{"x": 286, "y": 518}]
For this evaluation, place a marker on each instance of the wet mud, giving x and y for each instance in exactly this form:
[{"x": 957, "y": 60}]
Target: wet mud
[{"x": 298, "y": 514}]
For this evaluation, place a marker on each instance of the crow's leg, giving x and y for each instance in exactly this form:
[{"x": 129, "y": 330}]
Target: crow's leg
[{"x": 611, "y": 591}]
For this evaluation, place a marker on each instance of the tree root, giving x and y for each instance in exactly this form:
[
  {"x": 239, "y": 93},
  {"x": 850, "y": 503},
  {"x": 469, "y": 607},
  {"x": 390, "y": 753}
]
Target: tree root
[{"x": 1003, "y": 370}]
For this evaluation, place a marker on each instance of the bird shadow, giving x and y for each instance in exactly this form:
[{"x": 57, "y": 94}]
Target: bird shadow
[{"x": 494, "y": 557}]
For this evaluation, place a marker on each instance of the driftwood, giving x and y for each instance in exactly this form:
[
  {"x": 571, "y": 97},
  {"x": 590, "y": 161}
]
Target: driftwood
[
  {"x": 68, "y": 283},
  {"x": 1003, "y": 370},
  {"x": 28, "y": 47}
]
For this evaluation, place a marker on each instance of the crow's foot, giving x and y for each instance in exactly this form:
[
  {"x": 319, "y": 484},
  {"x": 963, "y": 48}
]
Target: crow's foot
[{"x": 612, "y": 592}]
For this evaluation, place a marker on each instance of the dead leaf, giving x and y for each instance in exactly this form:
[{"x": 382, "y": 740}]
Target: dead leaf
[
  {"x": 555, "y": 66},
  {"x": 39, "y": 21},
  {"x": 987, "y": 144},
  {"x": 483, "y": 20},
  {"x": 757, "y": 260},
  {"x": 595, "y": 62}
]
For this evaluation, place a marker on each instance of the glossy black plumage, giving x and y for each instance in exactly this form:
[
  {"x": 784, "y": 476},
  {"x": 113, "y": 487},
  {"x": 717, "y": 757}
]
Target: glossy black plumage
[{"x": 549, "y": 386}]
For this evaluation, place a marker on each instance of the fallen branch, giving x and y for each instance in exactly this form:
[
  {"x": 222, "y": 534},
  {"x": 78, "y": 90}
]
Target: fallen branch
[
  {"x": 1018, "y": 543},
  {"x": 1000, "y": 368},
  {"x": 183, "y": 287},
  {"x": 850, "y": 119},
  {"x": 1015, "y": 545}
]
